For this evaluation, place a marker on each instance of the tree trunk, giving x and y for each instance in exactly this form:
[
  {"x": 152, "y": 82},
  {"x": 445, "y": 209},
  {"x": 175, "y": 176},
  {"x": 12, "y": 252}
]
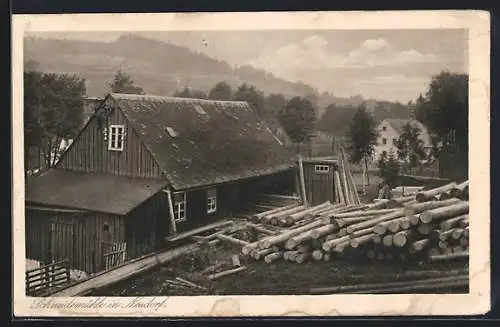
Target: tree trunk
[
  {"x": 417, "y": 208},
  {"x": 446, "y": 212},
  {"x": 366, "y": 174}
]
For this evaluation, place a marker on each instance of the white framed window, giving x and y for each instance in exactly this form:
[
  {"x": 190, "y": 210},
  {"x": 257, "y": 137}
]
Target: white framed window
[
  {"x": 179, "y": 207},
  {"x": 384, "y": 141},
  {"x": 211, "y": 200},
  {"x": 116, "y": 137},
  {"x": 384, "y": 128},
  {"x": 321, "y": 168}
]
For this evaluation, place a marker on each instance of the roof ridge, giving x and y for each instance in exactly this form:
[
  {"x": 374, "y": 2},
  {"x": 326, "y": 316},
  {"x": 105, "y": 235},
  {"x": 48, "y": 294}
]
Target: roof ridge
[
  {"x": 171, "y": 98},
  {"x": 405, "y": 119}
]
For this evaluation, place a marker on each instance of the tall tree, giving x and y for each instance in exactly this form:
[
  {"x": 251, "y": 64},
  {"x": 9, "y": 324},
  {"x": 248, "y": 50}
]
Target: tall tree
[
  {"x": 297, "y": 118},
  {"x": 444, "y": 108},
  {"x": 221, "y": 91},
  {"x": 187, "y": 92},
  {"x": 386, "y": 109},
  {"x": 273, "y": 103},
  {"x": 388, "y": 167},
  {"x": 363, "y": 137},
  {"x": 53, "y": 111},
  {"x": 33, "y": 133},
  {"x": 123, "y": 83},
  {"x": 410, "y": 147},
  {"x": 251, "y": 95},
  {"x": 336, "y": 119}
]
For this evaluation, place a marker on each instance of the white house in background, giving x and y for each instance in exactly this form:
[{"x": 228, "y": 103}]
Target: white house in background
[{"x": 391, "y": 129}]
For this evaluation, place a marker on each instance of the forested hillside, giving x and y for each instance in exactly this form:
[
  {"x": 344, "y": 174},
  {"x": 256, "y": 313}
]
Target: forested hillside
[{"x": 161, "y": 68}]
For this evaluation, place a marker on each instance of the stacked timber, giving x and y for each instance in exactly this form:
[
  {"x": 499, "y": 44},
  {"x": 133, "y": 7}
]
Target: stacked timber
[
  {"x": 269, "y": 202},
  {"x": 345, "y": 187},
  {"x": 422, "y": 226},
  {"x": 400, "y": 191}
]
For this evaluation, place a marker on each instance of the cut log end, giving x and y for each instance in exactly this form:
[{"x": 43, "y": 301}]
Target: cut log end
[
  {"x": 273, "y": 257},
  {"x": 387, "y": 240},
  {"x": 421, "y": 197}
]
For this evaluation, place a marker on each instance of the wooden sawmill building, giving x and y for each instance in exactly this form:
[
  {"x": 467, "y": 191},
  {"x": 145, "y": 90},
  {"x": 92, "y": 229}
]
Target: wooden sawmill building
[{"x": 147, "y": 167}]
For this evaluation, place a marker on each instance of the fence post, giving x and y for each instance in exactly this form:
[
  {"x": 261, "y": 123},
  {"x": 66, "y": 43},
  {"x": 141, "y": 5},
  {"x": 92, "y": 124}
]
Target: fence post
[{"x": 51, "y": 275}]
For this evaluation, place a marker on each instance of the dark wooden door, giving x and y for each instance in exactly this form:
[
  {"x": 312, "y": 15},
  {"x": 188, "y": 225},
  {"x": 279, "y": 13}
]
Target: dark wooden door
[
  {"x": 322, "y": 188},
  {"x": 62, "y": 240}
]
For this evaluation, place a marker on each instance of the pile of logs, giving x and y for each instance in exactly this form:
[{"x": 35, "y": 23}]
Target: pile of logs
[
  {"x": 268, "y": 202},
  {"x": 401, "y": 191},
  {"x": 428, "y": 225}
]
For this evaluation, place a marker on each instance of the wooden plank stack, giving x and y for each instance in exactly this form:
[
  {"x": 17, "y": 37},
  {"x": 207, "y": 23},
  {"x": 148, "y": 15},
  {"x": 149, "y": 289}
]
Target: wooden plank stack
[
  {"x": 428, "y": 225},
  {"x": 345, "y": 187}
]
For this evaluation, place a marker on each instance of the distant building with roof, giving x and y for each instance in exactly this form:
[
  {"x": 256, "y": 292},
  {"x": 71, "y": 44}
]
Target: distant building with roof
[
  {"x": 144, "y": 168},
  {"x": 390, "y": 130}
]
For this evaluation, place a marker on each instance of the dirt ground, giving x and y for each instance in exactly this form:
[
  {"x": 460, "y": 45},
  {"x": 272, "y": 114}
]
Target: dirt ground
[{"x": 279, "y": 278}]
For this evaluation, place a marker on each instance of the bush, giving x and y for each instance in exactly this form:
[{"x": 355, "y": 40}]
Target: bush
[{"x": 389, "y": 168}]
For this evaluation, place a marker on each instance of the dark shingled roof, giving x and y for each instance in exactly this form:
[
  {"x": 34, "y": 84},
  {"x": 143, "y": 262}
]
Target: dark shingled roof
[
  {"x": 398, "y": 124},
  {"x": 203, "y": 142},
  {"x": 90, "y": 191}
]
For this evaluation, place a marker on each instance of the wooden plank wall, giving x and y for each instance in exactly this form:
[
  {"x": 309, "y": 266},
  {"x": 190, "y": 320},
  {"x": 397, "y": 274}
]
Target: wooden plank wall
[
  {"x": 89, "y": 152},
  {"x": 37, "y": 236},
  {"x": 58, "y": 236},
  {"x": 319, "y": 186},
  {"x": 147, "y": 226},
  {"x": 91, "y": 254},
  {"x": 231, "y": 198}
]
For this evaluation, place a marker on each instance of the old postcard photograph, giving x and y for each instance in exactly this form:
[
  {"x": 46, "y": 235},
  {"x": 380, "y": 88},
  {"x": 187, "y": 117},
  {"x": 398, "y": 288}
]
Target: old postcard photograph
[{"x": 251, "y": 164}]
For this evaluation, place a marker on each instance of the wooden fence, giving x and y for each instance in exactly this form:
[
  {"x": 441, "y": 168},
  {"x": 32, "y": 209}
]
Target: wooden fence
[
  {"x": 46, "y": 278},
  {"x": 114, "y": 254},
  {"x": 428, "y": 170}
]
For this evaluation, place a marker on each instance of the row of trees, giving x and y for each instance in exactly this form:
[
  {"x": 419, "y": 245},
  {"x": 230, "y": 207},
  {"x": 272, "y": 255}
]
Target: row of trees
[
  {"x": 54, "y": 107},
  {"x": 443, "y": 110},
  {"x": 54, "y": 104},
  {"x": 296, "y": 115},
  {"x": 336, "y": 118},
  {"x": 54, "y": 110}
]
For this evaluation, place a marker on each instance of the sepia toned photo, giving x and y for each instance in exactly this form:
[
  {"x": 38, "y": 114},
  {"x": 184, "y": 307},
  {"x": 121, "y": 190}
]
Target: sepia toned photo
[{"x": 206, "y": 165}]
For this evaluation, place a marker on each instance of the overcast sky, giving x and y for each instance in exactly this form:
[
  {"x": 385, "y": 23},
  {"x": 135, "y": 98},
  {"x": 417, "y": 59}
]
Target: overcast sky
[{"x": 388, "y": 64}]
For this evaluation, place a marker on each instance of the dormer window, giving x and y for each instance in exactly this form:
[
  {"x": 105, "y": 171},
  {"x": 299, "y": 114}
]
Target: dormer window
[{"x": 116, "y": 137}]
